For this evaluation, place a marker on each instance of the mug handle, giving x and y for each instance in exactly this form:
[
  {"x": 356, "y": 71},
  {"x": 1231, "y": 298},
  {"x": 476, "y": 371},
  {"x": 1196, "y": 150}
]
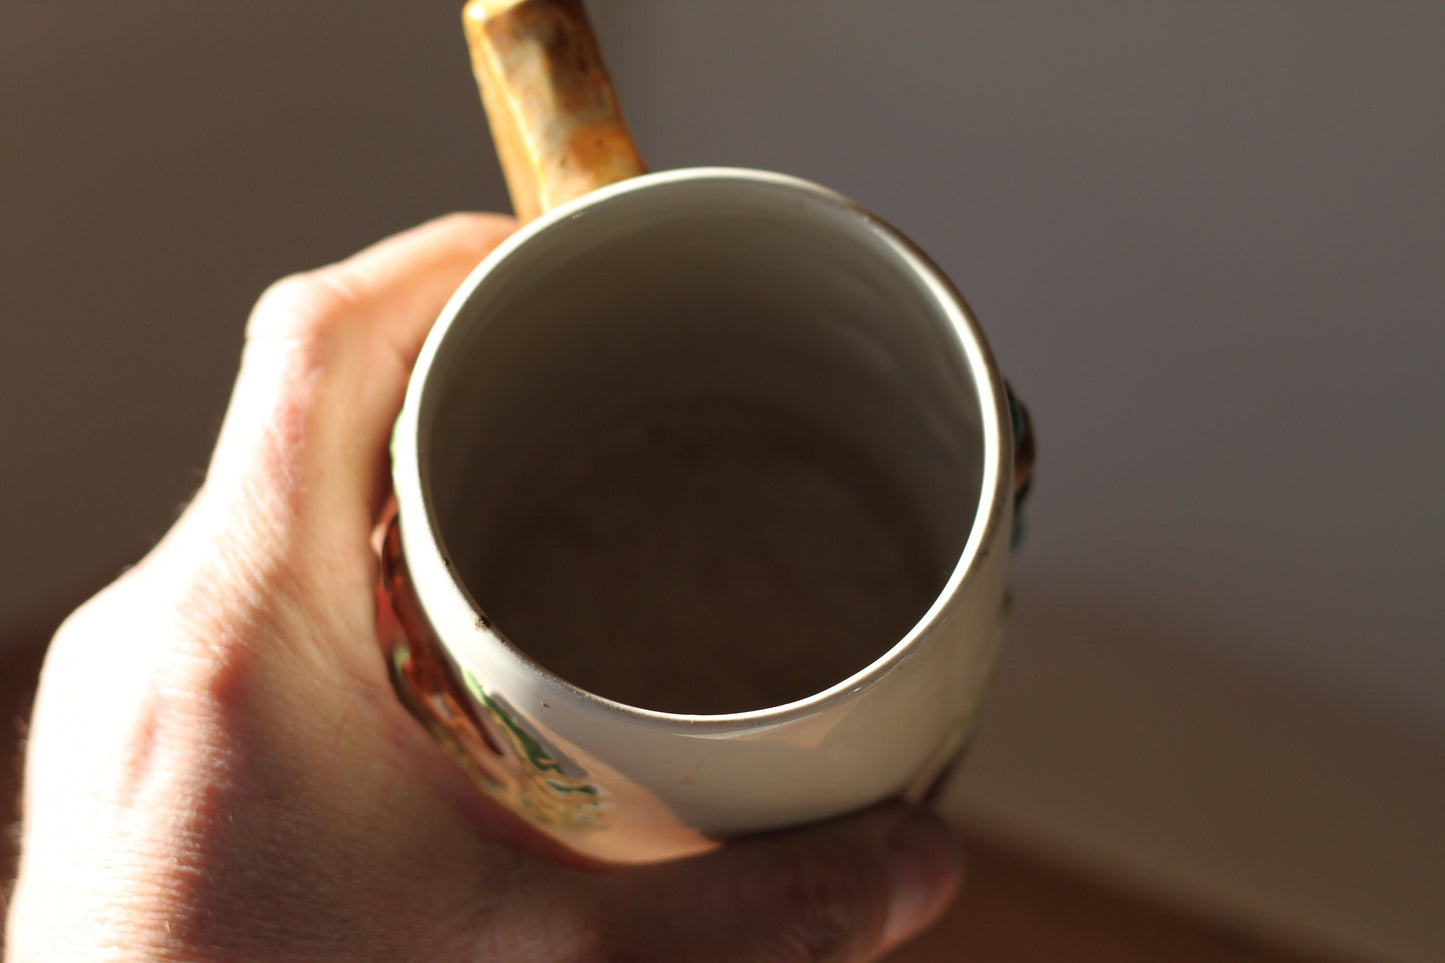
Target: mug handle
[{"x": 554, "y": 116}]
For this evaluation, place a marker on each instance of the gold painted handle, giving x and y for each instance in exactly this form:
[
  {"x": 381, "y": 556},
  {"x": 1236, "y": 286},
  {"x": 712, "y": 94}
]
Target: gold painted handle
[{"x": 554, "y": 116}]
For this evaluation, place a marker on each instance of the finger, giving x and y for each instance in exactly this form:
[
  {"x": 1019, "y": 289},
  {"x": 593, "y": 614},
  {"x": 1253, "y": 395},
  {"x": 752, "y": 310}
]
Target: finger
[
  {"x": 846, "y": 891},
  {"x": 327, "y": 358},
  {"x": 396, "y": 286}
]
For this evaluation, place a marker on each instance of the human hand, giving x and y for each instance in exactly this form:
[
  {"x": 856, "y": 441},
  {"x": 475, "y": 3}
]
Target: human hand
[{"x": 218, "y": 768}]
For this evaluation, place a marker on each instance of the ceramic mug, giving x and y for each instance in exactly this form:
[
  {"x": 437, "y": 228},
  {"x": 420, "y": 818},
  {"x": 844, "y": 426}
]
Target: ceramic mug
[{"x": 705, "y": 486}]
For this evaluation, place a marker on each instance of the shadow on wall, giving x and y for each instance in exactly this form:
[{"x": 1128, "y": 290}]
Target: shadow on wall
[
  {"x": 1112, "y": 735},
  {"x": 164, "y": 162}
]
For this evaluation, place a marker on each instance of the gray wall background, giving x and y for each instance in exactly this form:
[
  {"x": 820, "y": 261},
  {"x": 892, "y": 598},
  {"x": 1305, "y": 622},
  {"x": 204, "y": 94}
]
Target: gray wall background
[{"x": 1206, "y": 240}]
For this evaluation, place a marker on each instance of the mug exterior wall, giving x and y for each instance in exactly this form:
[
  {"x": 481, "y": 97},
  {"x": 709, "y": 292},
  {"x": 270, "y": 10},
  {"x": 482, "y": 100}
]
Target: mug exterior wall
[{"x": 626, "y": 785}]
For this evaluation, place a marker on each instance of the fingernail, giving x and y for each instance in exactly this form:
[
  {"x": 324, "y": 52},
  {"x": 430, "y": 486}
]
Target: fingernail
[{"x": 923, "y": 872}]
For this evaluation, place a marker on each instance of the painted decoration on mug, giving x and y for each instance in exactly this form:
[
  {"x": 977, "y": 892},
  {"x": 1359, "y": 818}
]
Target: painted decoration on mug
[{"x": 550, "y": 788}]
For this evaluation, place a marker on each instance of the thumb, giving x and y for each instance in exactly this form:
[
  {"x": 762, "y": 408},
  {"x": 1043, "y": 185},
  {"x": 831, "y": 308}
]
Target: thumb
[{"x": 844, "y": 892}]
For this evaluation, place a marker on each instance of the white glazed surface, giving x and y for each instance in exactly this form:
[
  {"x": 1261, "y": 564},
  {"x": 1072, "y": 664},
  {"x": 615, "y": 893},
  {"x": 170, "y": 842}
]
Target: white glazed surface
[{"x": 666, "y": 782}]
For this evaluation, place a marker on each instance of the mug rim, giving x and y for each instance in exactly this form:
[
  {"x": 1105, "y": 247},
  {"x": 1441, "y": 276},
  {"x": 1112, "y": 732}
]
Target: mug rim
[{"x": 414, "y": 502}]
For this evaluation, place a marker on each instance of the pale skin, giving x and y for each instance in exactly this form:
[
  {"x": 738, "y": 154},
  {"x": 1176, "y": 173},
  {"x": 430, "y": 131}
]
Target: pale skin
[{"x": 218, "y": 769}]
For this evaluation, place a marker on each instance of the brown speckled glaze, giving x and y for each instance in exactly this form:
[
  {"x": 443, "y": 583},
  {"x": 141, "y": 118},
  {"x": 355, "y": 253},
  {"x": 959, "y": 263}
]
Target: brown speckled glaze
[{"x": 554, "y": 116}]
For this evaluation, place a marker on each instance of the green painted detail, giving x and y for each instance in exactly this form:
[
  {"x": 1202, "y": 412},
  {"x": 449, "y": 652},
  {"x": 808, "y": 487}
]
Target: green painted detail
[
  {"x": 392, "y": 439},
  {"x": 588, "y": 790},
  {"x": 537, "y": 757},
  {"x": 542, "y": 790}
]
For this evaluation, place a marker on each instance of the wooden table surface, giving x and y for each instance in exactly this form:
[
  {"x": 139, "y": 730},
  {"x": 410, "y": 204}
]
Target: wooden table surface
[{"x": 1016, "y": 907}]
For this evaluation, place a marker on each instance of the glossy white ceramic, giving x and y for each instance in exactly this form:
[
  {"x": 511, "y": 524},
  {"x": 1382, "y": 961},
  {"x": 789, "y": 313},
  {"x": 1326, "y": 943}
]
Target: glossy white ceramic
[{"x": 701, "y": 282}]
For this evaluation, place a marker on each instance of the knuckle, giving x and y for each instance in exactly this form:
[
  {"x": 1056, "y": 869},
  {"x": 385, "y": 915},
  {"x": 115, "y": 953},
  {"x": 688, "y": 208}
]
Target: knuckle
[
  {"x": 827, "y": 909},
  {"x": 81, "y": 645},
  {"x": 309, "y": 306},
  {"x": 78, "y": 623},
  {"x": 475, "y": 223},
  {"x": 463, "y": 220}
]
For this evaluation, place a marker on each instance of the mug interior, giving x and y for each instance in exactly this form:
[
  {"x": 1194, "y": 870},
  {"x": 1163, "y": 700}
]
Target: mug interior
[{"x": 705, "y": 445}]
